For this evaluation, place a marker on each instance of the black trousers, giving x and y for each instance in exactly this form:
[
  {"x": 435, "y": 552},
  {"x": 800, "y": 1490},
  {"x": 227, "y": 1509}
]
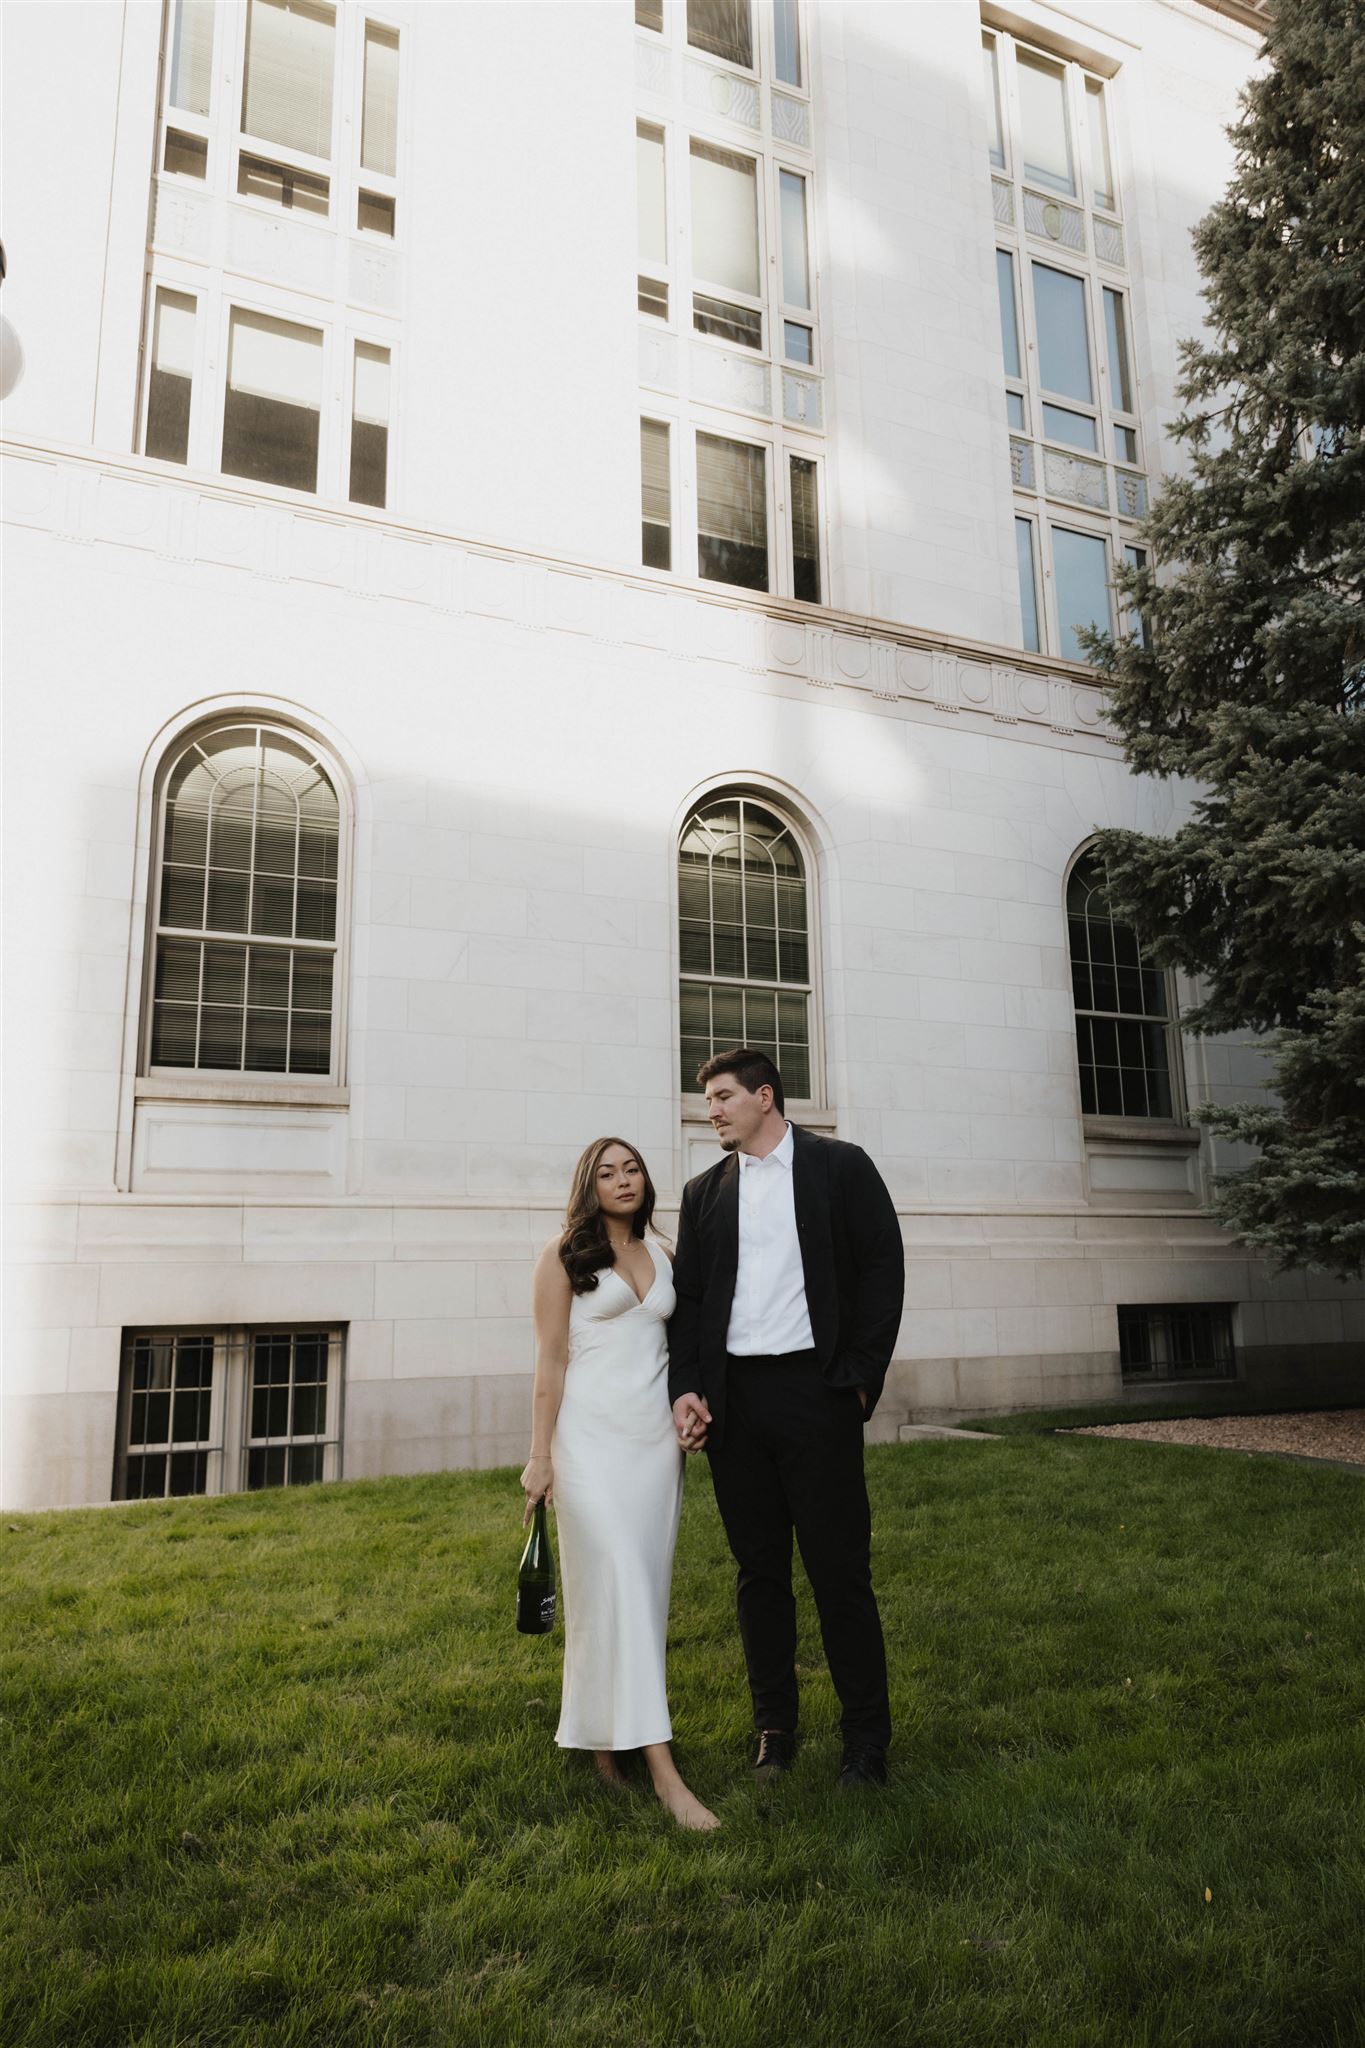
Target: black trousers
[{"x": 791, "y": 1459}]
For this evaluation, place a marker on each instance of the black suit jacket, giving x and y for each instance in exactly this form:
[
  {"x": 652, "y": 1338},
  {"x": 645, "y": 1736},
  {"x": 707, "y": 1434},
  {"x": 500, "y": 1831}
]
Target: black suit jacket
[{"x": 851, "y": 1251}]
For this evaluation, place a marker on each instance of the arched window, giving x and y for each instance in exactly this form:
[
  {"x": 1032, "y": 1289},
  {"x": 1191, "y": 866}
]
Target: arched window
[
  {"x": 1126, "y": 1033},
  {"x": 244, "y": 975},
  {"x": 744, "y": 939}
]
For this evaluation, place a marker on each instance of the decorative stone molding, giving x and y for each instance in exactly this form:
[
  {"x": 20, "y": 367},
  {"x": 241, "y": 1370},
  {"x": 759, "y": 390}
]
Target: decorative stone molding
[{"x": 142, "y": 506}]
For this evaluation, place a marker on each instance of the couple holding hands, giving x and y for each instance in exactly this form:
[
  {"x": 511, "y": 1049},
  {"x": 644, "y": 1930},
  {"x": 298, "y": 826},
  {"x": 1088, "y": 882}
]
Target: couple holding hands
[{"x": 764, "y": 1341}]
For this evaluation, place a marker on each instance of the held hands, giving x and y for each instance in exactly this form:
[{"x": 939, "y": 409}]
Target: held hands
[
  {"x": 537, "y": 1483},
  {"x": 691, "y": 1419}
]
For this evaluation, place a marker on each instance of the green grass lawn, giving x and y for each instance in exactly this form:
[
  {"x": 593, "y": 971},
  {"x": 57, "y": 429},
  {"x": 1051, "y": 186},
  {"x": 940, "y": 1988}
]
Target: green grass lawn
[{"x": 277, "y": 1770}]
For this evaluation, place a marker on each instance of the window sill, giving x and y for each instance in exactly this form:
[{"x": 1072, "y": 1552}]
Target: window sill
[
  {"x": 1126, "y": 1130},
  {"x": 287, "y": 1093}
]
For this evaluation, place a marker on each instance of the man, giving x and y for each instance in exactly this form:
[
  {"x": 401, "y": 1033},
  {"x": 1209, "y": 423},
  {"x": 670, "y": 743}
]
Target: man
[{"x": 790, "y": 1274}]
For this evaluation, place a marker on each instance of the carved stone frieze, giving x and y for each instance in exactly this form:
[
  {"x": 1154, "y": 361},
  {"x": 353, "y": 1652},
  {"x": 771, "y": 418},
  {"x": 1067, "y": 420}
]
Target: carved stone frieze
[{"x": 138, "y": 506}]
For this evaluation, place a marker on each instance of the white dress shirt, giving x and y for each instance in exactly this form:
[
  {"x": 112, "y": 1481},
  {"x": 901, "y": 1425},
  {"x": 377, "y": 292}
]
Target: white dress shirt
[{"x": 769, "y": 1312}]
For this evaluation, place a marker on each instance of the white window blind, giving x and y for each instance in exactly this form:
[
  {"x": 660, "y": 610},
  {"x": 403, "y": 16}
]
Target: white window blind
[
  {"x": 724, "y": 28},
  {"x": 1101, "y": 165},
  {"x": 1042, "y": 113},
  {"x": 192, "y": 55},
  {"x": 655, "y": 495},
  {"x": 274, "y": 359},
  {"x": 173, "y": 338},
  {"x": 787, "y": 41},
  {"x": 732, "y": 512},
  {"x": 992, "y": 64},
  {"x": 805, "y": 531},
  {"x": 371, "y": 384},
  {"x": 287, "y": 96},
  {"x": 379, "y": 120},
  {"x": 795, "y": 259},
  {"x": 167, "y": 427},
  {"x": 732, "y": 501},
  {"x": 370, "y": 425},
  {"x": 725, "y": 218},
  {"x": 649, "y": 188}
]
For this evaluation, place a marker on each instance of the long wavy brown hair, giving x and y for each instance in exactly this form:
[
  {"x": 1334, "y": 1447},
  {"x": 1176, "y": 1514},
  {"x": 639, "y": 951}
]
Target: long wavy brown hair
[{"x": 583, "y": 1249}]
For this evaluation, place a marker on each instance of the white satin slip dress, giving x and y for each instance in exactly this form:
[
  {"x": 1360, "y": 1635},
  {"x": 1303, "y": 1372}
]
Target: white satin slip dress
[{"x": 618, "y": 1476}]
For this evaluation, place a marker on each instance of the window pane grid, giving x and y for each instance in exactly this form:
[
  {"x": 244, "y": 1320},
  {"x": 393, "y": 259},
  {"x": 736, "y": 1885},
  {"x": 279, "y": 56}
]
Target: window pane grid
[
  {"x": 744, "y": 940},
  {"x": 169, "y": 1383},
  {"x": 250, "y": 852},
  {"x": 1067, "y": 341},
  {"x": 251, "y": 1408},
  {"x": 1123, "y": 1016},
  {"x": 287, "y": 1407}
]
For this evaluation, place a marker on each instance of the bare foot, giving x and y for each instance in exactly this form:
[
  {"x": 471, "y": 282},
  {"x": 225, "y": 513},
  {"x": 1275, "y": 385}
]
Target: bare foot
[
  {"x": 608, "y": 1770},
  {"x": 685, "y": 1807}
]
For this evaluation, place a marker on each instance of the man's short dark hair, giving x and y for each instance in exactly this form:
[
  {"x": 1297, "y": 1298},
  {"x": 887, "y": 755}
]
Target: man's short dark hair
[{"x": 753, "y": 1070}]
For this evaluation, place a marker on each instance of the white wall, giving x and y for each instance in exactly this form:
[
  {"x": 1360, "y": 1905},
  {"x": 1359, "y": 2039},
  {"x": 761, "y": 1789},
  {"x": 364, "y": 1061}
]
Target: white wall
[{"x": 521, "y": 719}]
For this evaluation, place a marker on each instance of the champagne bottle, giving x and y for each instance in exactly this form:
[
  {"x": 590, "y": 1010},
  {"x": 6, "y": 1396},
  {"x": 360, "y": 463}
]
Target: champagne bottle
[{"x": 536, "y": 1580}]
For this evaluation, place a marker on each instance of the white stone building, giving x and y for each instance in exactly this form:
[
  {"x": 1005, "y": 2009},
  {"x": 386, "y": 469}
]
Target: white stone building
[{"x": 449, "y": 691}]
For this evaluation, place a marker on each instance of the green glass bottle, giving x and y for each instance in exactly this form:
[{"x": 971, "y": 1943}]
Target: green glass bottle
[{"x": 536, "y": 1580}]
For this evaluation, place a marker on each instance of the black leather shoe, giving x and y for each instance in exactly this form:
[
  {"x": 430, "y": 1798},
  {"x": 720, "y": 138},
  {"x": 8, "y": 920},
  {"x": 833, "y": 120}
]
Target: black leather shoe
[
  {"x": 862, "y": 1766},
  {"x": 776, "y": 1753}
]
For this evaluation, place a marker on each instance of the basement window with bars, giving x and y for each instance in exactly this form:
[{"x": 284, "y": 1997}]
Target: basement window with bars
[
  {"x": 1181, "y": 1342},
  {"x": 227, "y": 1411}
]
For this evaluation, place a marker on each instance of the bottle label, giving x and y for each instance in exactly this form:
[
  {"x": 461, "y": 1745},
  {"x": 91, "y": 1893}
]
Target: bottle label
[{"x": 535, "y": 1611}]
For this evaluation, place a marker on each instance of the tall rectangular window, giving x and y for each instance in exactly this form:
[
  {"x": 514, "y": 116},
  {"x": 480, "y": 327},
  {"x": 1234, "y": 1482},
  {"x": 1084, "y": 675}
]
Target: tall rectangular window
[
  {"x": 1009, "y": 320},
  {"x": 274, "y": 400},
  {"x": 723, "y": 28},
  {"x": 656, "y": 496},
  {"x": 1102, "y": 191},
  {"x": 1043, "y": 118},
  {"x": 725, "y": 243},
  {"x": 805, "y": 516},
  {"x": 287, "y": 91},
  {"x": 991, "y": 61},
  {"x": 191, "y": 59},
  {"x": 795, "y": 245},
  {"x": 1028, "y": 582},
  {"x": 370, "y": 425},
  {"x": 732, "y": 512},
  {"x": 650, "y": 14},
  {"x": 1063, "y": 333},
  {"x": 787, "y": 41},
  {"x": 1066, "y": 335},
  {"x": 1134, "y": 620},
  {"x": 379, "y": 111},
  {"x": 1081, "y": 562},
  {"x": 798, "y": 338},
  {"x": 1116, "y": 333},
  {"x": 651, "y": 202},
  {"x": 170, "y": 385}
]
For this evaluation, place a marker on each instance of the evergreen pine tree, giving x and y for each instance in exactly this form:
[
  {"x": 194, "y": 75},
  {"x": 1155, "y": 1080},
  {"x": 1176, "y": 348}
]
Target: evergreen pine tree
[{"x": 1250, "y": 675}]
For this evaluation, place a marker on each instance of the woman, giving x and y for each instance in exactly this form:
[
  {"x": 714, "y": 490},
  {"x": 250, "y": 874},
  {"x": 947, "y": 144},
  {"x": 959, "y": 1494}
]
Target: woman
[{"x": 603, "y": 1450}]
